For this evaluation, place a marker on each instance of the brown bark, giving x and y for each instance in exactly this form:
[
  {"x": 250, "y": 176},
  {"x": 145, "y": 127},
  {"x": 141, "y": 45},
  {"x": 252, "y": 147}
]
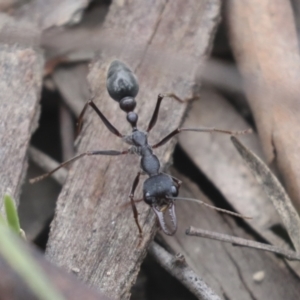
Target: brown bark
[
  {"x": 47, "y": 14},
  {"x": 20, "y": 84},
  {"x": 265, "y": 45}
]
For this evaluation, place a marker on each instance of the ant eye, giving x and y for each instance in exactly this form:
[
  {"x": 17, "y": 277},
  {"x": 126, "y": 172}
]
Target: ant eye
[
  {"x": 174, "y": 191},
  {"x": 148, "y": 199}
]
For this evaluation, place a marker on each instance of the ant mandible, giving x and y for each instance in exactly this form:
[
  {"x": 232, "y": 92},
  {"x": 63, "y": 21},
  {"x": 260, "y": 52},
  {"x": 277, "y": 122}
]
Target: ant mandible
[{"x": 160, "y": 190}]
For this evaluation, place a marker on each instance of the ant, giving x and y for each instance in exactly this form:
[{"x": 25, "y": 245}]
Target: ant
[{"x": 160, "y": 190}]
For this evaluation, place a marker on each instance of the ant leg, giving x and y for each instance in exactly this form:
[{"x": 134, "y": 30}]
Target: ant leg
[
  {"x": 125, "y": 205},
  {"x": 133, "y": 206},
  {"x": 155, "y": 113},
  {"x": 108, "y": 125},
  {"x": 156, "y": 110},
  {"x": 176, "y": 180},
  {"x": 174, "y": 96},
  {"x": 203, "y": 129},
  {"x": 98, "y": 152}
]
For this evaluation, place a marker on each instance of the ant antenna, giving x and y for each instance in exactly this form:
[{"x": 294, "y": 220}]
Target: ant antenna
[{"x": 225, "y": 211}]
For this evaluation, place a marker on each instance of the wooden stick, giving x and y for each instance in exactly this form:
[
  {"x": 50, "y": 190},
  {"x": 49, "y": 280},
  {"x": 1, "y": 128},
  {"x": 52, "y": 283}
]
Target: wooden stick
[
  {"x": 236, "y": 241},
  {"x": 177, "y": 266}
]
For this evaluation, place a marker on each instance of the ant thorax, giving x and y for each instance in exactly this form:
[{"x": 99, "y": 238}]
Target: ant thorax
[
  {"x": 138, "y": 140},
  {"x": 149, "y": 162}
]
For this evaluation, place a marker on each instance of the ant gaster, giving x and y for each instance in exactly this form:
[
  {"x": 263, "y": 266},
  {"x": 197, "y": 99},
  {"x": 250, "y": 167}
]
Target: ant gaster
[{"x": 159, "y": 190}]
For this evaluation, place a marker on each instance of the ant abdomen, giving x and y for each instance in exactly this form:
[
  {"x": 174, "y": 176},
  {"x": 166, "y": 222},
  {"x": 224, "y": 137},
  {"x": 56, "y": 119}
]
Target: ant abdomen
[{"x": 121, "y": 81}]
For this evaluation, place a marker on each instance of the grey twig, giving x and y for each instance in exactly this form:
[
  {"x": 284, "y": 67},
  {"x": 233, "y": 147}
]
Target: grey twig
[
  {"x": 177, "y": 266},
  {"x": 236, "y": 241},
  {"x": 47, "y": 164}
]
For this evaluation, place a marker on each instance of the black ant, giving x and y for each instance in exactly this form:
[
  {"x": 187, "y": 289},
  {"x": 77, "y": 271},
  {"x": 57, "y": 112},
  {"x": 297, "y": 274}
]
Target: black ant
[{"x": 160, "y": 190}]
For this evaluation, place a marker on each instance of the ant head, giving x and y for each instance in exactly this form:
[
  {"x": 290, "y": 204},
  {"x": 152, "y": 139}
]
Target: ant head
[
  {"x": 161, "y": 200},
  {"x": 159, "y": 190}
]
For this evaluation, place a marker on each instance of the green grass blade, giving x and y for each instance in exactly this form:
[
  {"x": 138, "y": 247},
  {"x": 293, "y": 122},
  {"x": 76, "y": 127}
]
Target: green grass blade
[
  {"x": 11, "y": 214},
  {"x": 20, "y": 260},
  {"x": 2, "y": 220}
]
